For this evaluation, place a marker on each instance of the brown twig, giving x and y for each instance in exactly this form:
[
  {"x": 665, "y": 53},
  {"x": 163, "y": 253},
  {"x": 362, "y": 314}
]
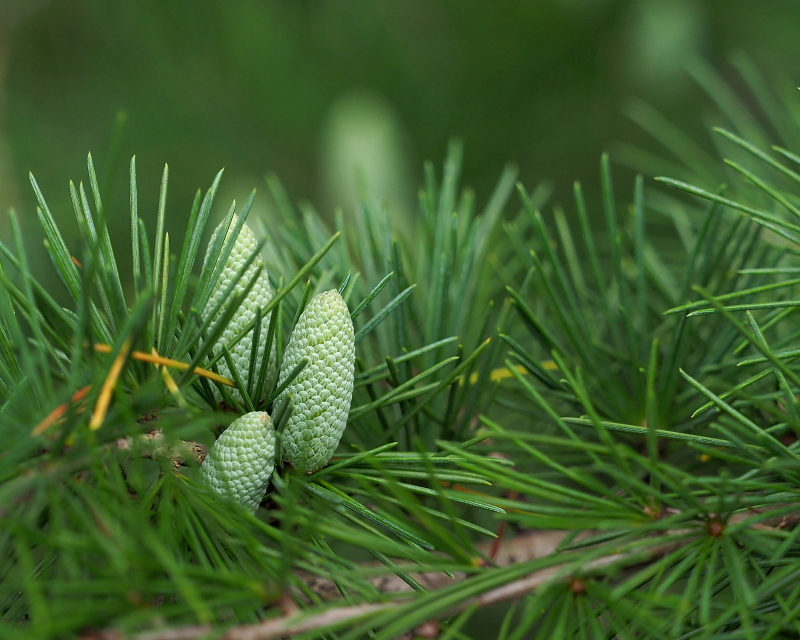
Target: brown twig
[
  {"x": 282, "y": 627},
  {"x": 297, "y": 623},
  {"x": 153, "y": 445}
]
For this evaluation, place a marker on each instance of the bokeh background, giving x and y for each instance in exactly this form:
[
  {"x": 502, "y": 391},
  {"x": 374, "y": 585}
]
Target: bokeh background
[{"x": 318, "y": 90}]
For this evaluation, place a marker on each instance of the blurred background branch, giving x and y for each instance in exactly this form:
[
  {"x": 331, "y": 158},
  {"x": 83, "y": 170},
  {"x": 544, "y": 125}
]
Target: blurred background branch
[
  {"x": 335, "y": 96},
  {"x": 12, "y": 15}
]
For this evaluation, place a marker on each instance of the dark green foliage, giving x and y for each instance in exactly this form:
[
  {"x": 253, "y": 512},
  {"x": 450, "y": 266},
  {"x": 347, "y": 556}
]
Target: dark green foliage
[
  {"x": 667, "y": 426},
  {"x": 101, "y": 532},
  {"x": 628, "y": 393}
]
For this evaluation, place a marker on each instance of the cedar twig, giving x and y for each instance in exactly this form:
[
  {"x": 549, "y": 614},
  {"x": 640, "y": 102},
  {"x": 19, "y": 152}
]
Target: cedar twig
[
  {"x": 298, "y": 623},
  {"x": 153, "y": 445},
  {"x": 285, "y": 626}
]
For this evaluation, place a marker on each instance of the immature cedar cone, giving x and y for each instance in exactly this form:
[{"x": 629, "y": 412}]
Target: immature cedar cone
[
  {"x": 261, "y": 293},
  {"x": 241, "y": 462},
  {"x": 321, "y": 394}
]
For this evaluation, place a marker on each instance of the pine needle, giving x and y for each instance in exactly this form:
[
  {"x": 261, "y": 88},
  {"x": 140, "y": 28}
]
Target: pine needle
[
  {"x": 169, "y": 362},
  {"x": 104, "y": 400},
  {"x": 56, "y": 414}
]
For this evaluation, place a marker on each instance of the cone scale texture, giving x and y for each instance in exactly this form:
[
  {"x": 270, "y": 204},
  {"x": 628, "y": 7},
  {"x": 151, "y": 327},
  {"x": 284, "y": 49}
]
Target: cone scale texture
[
  {"x": 322, "y": 393},
  {"x": 261, "y": 293},
  {"x": 241, "y": 461}
]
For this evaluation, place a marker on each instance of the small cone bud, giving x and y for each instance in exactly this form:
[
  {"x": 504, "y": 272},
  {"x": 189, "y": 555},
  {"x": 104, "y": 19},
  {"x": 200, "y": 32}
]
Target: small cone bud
[
  {"x": 241, "y": 461},
  {"x": 261, "y": 293},
  {"x": 321, "y": 394}
]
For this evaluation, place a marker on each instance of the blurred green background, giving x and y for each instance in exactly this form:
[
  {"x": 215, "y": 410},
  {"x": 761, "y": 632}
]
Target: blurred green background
[{"x": 313, "y": 89}]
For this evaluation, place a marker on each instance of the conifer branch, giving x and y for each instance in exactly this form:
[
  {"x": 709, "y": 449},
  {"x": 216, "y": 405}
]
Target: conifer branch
[{"x": 533, "y": 545}]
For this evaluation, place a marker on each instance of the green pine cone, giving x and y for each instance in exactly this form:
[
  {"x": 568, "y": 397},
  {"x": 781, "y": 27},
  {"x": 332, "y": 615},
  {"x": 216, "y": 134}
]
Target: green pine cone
[
  {"x": 261, "y": 293},
  {"x": 321, "y": 394},
  {"x": 241, "y": 462}
]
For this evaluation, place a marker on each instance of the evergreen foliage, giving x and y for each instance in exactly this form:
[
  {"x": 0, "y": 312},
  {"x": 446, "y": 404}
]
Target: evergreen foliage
[{"x": 593, "y": 432}]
